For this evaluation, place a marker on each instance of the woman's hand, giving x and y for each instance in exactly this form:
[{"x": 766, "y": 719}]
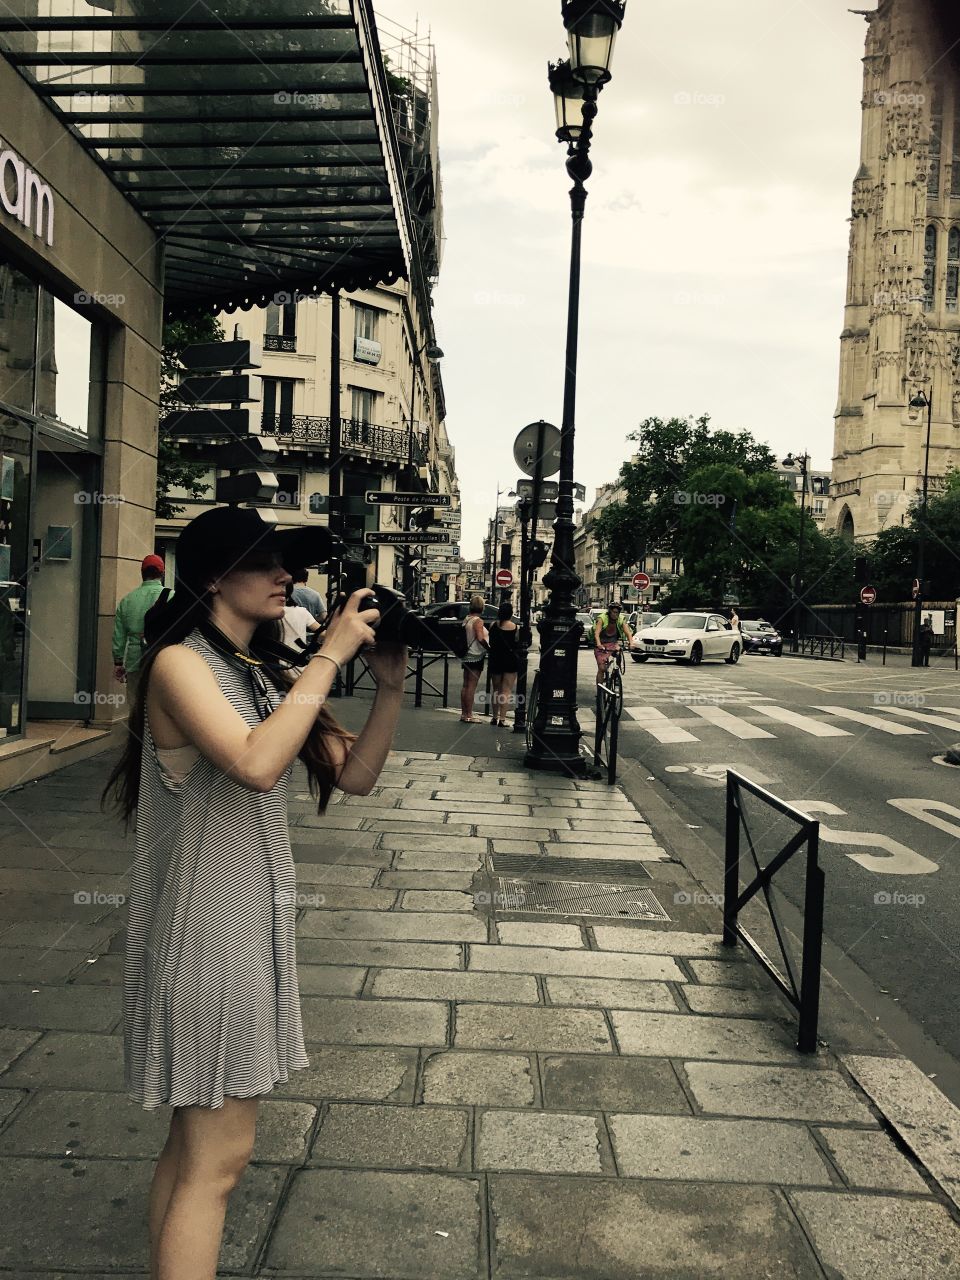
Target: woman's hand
[
  {"x": 388, "y": 662},
  {"x": 351, "y": 627}
]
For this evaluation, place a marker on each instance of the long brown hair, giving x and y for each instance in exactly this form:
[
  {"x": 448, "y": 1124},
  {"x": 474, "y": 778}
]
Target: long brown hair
[{"x": 171, "y": 623}]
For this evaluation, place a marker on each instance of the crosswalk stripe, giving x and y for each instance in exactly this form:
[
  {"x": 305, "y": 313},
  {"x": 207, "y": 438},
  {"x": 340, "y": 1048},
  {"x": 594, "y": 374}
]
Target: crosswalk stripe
[
  {"x": 658, "y": 725},
  {"x": 732, "y": 724},
  {"x": 816, "y": 728},
  {"x": 925, "y": 718},
  {"x": 874, "y": 722}
]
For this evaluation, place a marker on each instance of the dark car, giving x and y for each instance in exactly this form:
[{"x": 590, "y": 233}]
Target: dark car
[
  {"x": 588, "y": 622},
  {"x": 761, "y": 637},
  {"x": 459, "y": 609}
]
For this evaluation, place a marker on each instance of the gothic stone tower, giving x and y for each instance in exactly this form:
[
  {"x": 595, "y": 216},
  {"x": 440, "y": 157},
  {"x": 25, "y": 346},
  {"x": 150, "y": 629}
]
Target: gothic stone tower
[{"x": 901, "y": 334}]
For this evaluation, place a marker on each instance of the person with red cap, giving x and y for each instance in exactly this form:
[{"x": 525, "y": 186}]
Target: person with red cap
[{"x": 128, "y": 623}]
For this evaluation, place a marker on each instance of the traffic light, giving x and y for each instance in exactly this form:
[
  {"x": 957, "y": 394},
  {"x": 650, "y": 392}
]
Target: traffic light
[{"x": 538, "y": 553}]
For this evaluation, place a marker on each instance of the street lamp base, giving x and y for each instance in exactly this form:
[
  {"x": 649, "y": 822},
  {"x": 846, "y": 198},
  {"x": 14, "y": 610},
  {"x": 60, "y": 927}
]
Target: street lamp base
[{"x": 557, "y": 753}]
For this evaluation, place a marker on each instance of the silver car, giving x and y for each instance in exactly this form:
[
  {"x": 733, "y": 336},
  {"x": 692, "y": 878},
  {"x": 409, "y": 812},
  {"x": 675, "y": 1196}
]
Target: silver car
[{"x": 689, "y": 638}]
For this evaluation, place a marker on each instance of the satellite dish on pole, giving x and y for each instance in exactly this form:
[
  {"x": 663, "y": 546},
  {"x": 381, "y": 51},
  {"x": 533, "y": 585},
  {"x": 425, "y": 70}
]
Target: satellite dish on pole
[{"x": 525, "y": 449}]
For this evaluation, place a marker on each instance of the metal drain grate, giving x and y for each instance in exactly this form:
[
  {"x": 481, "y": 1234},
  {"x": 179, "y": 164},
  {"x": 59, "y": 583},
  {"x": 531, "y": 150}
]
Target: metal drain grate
[
  {"x": 519, "y": 864},
  {"x": 578, "y": 898}
]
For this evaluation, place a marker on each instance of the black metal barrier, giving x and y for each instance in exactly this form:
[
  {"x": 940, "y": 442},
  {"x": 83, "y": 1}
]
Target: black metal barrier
[
  {"x": 418, "y": 662},
  {"x": 805, "y": 998},
  {"x": 821, "y": 646},
  {"x": 609, "y": 707}
]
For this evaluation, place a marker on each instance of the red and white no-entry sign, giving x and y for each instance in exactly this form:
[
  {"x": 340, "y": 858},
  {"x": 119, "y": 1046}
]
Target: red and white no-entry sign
[
  {"x": 868, "y": 595},
  {"x": 504, "y": 578},
  {"x": 641, "y": 581}
]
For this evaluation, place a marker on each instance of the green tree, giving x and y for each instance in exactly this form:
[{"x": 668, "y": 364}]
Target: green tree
[
  {"x": 893, "y": 555},
  {"x": 173, "y": 470}
]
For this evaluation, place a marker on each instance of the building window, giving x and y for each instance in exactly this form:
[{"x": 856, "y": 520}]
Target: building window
[
  {"x": 278, "y": 404},
  {"x": 936, "y": 143},
  {"x": 288, "y": 489},
  {"x": 364, "y": 404},
  {"x": 955, "y": 154},
  {"x": 675, "y": 566},
  {"x": 953, "y": 268},
  {"x": 656, "y": 564},
  {"x": 819, "y": 506},
  {"x": 366, "y": 334},
  {"x": 280, "y": 328},
  {"x": 929, "y": 267}
]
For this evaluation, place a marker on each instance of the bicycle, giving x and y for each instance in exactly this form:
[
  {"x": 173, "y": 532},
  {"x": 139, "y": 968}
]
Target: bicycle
[
  {"x": 533, "y": 698},
  {"x": 613, "y": 672}
]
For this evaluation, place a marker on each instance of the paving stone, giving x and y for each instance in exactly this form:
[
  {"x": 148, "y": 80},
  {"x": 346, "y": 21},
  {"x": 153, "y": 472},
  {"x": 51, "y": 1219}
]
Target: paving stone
[
  {"x": 334, "y": 873},
  {"x": 728, "y": 973},
  {"x": 488, "y": 1026},
  {"x": 354, "y": 1075},
  {"x": 391, "y": 1137},
  {"x": 531, "y": 933},
  {"x": 87, "y": 1125},
  {"x": 526, "y": 848},
  {"x": 398, "y": 926},
  {"x": 569, "y": 1228},
  {"x": 730, "y": 1000},
  {"x": 479, "y": 1079},
  {"x": 342, "y": 1222},
  {"x": 330, "y": 980},
  {"x": 692, "y": 1148},
  {"x": 612, "y": 1084},
  {"x": 361, "y": 856},
  {"x": 538, "y": 1142},
  {"x": 490, "y": 825},
  {"x": 572, "y": 963},
  {"x": 399, "y": 955},
  {"x": 58, "y": 935},
  {"x": 666, "y": 1035},
  {"x": 433, "y": 860},
  {"x": 450, "y": 881},
  {"x": 471, "y": 803},
  {"x": 327, "y": 897},
  {"x": 70, "y": 1060},
  {"x": 100, "y": 971},
  {"x": 62, "y": 880},
  {"x": 58, "y": 1008},
  {"x": 927, "y": 1121},
  {"x": 436, "y": 844},
  {"x": 392, "y": 827},
  {"x": 13, "y": 1043},
  {"x": 788, "y": 1093},
  {"x": 436, "y": 900},
  {"x": 880, "y": 1237},
  {"x": 99, "y": 1223},
  {"x": 868, "y": 1159},
  {"x": 639, "y": 847},
  {"x": 612, "y": 994},
  {"x": 408, "y": 1022},
  {"x": 10, "y": 1099},
  {"x": 445, "y": 984},
  {"x": 655, "y": 941}
]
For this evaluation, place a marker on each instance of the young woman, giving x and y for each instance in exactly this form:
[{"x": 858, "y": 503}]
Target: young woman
[
  {"x": 473, "y": 660},
  {"x": 210, "y": 997},
  {"x": 504, "y": 662}
]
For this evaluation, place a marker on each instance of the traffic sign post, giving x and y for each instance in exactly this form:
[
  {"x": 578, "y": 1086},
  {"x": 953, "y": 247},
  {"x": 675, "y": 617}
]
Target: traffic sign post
[
  {"x": 868, "y": 595},
  {"x": 504, "y": 579},
  {"x": 384, "y": 498},
  {"x": 641, "y": 581}
]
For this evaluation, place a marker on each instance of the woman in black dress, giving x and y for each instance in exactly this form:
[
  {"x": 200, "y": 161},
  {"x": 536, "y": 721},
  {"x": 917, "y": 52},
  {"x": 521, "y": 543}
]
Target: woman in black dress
[{"x": 504, "y": 662}]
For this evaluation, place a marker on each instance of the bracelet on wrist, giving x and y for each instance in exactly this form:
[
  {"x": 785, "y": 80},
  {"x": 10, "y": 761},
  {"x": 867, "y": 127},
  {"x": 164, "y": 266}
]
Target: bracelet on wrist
[{"x": 330, "y": 658}]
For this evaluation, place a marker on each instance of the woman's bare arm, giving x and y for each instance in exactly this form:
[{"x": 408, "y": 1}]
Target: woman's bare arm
[{"x": 368, "y": 754}]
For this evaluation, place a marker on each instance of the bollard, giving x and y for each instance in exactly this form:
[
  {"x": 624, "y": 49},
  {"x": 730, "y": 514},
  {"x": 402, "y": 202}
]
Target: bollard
[{"x": 418, "y": 685}]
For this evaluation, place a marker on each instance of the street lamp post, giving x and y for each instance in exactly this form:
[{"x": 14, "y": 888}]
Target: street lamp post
[
  {"x": 434, "y": 356},
  {"x": 592, "y": 27},
  {"x": 495, "y": 545},
  {"x": 919, "y": 402},
  {"x": 802, "y": 461}
]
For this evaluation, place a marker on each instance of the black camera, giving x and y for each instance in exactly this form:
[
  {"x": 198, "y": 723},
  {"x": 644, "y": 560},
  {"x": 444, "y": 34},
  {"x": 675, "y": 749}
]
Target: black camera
[{"x": 400, "y": 625}]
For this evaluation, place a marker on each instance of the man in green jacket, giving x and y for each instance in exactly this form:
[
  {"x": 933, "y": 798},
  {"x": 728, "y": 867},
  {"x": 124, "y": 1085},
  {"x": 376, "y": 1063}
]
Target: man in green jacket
[{"x": 128, "y": 624}]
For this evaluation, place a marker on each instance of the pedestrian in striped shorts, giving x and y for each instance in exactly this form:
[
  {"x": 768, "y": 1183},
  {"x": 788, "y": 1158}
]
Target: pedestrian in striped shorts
[{"x": 211, "y": 1004}]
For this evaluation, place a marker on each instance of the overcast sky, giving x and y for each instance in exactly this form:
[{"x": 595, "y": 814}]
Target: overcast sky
[{"x": 715, "y": 242}]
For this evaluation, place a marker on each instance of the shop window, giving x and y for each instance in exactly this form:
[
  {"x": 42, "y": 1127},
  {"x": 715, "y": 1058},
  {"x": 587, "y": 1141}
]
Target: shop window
[
  {"x": 15, "y": 451},
  {"x": 18, "y": 338},
  {"x": 64, "y": 350}
]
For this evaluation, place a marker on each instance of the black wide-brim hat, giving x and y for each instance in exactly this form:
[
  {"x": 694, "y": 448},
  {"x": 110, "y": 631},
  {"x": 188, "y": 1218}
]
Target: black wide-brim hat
[{"x": 218, "y": 540}]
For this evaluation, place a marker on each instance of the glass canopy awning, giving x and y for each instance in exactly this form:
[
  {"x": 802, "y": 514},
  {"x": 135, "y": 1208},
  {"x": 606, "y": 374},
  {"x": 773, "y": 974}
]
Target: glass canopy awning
[{"x": 256, "y": 136}]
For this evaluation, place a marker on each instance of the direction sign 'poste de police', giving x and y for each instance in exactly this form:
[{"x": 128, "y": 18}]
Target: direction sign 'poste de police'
[{"x": 384, "y": 498}]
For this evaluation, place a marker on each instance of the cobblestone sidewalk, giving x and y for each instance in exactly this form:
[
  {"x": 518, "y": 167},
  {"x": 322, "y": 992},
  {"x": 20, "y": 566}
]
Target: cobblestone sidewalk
[{"x": 491, "y": 1093}]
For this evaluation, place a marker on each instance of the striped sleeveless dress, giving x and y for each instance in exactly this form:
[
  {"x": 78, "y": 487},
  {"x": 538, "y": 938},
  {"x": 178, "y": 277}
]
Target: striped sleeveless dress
[{"x": 211, "y": 1006}]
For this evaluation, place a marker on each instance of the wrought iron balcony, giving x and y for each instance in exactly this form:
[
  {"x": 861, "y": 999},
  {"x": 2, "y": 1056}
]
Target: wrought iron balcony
[
  {"x": 363, "y": 439},
  {"x": 278, "y": 342}
]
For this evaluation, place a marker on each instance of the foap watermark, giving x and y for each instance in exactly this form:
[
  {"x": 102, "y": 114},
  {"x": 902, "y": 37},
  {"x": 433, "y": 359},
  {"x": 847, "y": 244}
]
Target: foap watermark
[
  {"x": 896, "y": 98},
  {"x": 898, "y": 698},
  {"x": 684, "y": 898},
  {"x": 94, "y": 698},
  {"x": 93, "y": 498},
  {"x": 506, "y": 901},
  {"x": 299, "y": 699},
  {"x": 290, "y": 898},
  {"x": 493, "y": 298},
  {"x": 94, "y": 898},
  {"x": 99, "y": 101},
  {"x": 83, "y": 298},
  {"x": 700, "y": 699},
  {"x": 688, "y": 498},
  {"x": 697, "y": 98},
  {"x": 884, "y": 899},
  {"x": 297, "y": 98}
]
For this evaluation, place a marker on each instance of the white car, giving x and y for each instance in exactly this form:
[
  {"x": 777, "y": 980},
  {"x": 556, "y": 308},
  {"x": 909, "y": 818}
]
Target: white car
[{"x": 690, "y": 637}]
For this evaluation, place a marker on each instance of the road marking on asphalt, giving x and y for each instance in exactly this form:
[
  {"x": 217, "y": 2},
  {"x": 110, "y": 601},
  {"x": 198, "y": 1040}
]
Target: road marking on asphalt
[
  {"x": 900, "y": 859},
  {"x": 924, "y": 810},
  {"x": 873, "y": 722},
  {"x": 731, "y": 723},
  {"x": 816, "y": 728},
  {"x": 658, "y": 725},
  {"x": 925, "y": 717}
]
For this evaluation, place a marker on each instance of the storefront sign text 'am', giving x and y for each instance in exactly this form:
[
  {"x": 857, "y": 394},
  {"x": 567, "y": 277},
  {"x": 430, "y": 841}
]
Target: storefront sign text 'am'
[{"x": 24, "y": 196}]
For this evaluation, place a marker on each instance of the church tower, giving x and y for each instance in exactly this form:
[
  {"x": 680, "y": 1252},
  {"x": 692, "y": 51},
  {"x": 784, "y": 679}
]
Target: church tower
[{"x": 901, "y": 335}]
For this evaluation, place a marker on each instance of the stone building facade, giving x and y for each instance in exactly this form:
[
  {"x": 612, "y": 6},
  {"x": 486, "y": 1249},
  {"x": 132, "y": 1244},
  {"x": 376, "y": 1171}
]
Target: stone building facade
[{"x": 901, "y": 335}]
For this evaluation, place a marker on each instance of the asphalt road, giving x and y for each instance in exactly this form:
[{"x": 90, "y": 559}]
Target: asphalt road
[{"x": 890, "y": 815}]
